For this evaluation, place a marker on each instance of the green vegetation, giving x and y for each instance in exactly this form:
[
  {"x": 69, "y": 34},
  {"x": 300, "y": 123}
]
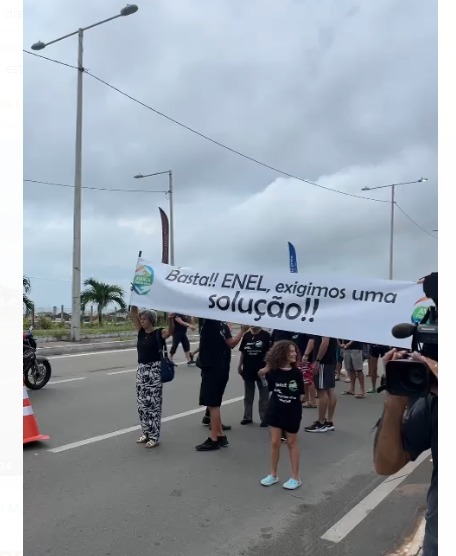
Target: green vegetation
[{"x": 102, "y": 295}]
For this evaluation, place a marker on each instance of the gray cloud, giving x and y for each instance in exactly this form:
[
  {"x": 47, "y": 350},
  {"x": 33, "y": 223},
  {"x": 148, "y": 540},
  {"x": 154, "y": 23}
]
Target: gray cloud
[{"x": 330, "y": 91}]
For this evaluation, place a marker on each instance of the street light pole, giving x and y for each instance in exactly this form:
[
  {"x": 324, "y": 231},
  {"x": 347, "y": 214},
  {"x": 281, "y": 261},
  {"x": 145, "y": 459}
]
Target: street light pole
[
  {"x": 391, "y": 255},
  {"x": 393, "y": 202},
  {"x": 76, "y": 277},
  {"x": 170, "y": 192},
  {"x": 171, "y": 219},
  {"x": 77, "y": 224}
]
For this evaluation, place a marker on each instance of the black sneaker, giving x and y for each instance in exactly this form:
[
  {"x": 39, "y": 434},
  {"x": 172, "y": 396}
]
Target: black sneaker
[
  {"x": 223, "y": 441},
  {"x": 246, "y": 421},
  {"x": 208, "y": 445},
  {"x": 329, "y": 425},
  {"x": 317, "y": 427},
  {"x": 224, "y": 427},
  {"x": 206, "y": 421}
]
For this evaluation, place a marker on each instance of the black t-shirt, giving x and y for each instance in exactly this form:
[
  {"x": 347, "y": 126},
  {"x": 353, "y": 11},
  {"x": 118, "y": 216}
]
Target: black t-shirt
[
  {"x": 254, "y": 347},
  {"x": 301, "y": 340},
  {"x": 180, "y": 329},
  {"x": 278, "y": 335},
  {"x": 148, "y": 345},
  {"x": 286, "y": 388},
  {"x": 354, "y": 345},
  {"x": 330, "y": 357},
  {"x": 214, "y": 351},
  {"x": 419, "y": 433}
]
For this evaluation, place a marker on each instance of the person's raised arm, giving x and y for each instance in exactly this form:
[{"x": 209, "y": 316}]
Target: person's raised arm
[
  {"x": 233, "y": 341},
  {"x": 135, "y": 317}
]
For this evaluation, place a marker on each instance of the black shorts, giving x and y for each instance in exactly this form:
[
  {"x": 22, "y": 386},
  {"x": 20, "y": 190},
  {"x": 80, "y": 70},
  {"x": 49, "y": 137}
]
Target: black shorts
[
  {"x": 326, "y": 377},
  {"x": 180, "y": 339},
  {"x": 213, "y": 384},
  {"x": 377, "y": 351},
  {"x": 287, "y": 425}
]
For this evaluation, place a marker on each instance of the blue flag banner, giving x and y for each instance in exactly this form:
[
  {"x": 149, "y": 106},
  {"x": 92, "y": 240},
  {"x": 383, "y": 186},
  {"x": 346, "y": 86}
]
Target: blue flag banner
[{"x": 293, "y": 261}]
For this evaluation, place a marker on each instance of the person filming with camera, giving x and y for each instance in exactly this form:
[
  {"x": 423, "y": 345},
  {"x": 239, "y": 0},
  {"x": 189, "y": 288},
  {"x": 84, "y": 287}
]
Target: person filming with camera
[{"x": 407, "y": 428}]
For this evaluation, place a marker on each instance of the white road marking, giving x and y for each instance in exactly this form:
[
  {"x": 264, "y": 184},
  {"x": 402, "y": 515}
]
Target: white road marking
[
  {"x": 67, "y": 380},
  {"x": 122, "y": 372},
  {"x": 354, "y": 517},
  {"x": 133, "y": 370},
  {"x": 120, "y": 432},
  {"x": 99, "y": 352}
]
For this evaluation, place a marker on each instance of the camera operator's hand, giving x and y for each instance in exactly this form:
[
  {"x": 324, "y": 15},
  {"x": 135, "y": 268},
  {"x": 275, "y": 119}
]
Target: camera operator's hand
[
  {"x": 394, "y": 354},
  {"x": 431, "y": 363}
]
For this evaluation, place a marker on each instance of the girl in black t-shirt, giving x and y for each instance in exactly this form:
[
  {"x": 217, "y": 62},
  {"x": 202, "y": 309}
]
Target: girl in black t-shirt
[
  {"x": 149, "y": 388},
  {"x": 286, "y": 383}
]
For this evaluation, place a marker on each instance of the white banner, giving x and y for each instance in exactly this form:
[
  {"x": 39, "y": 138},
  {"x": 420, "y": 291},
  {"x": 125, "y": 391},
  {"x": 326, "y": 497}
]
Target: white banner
[{"x": 354, "y": 308}]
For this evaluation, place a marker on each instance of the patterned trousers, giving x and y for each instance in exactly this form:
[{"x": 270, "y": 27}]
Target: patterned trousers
[{"x": 149, "y": 394}]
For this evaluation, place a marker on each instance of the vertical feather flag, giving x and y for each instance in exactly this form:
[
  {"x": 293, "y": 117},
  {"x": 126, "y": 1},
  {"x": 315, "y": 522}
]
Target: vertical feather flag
[
  {"x": 293, "y": 260},
  {"x": 165, "y": 236}
]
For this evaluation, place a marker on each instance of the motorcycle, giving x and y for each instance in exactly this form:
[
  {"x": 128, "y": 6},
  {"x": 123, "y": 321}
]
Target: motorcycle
[{"x": 36, "y": 370}]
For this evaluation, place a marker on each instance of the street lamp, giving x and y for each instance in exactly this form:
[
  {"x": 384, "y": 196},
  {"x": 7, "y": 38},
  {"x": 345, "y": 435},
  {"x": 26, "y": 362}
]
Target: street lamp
[
  {"x": 76, "y": 281},
  {"x": 393, "y": 202},
  {"x": 171, "y": 208}
]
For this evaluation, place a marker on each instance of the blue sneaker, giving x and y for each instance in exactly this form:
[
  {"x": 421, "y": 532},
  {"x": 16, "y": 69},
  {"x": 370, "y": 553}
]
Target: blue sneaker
[
  {"x": 269, "y": 480},
  {"x": 292, "y": 484}
]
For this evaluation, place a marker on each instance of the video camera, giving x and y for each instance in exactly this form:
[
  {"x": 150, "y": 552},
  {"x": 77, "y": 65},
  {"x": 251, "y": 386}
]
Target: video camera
[{"x": 413, "y": 379}]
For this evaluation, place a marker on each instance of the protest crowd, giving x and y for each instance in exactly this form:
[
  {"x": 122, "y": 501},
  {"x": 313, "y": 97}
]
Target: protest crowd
[{"x": 290, "y": 372}]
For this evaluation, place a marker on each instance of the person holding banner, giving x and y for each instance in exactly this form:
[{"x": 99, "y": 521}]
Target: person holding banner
[
  {"x": 216, "y": 343},
  {"x": 254, "y": 346},
  {"x": 149, "y": 388}
]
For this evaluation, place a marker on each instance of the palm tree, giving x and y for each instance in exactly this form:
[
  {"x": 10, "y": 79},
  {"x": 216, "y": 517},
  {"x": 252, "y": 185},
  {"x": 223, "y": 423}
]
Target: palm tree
[
  {"x": 27, "y": 287},
  {"x": 102, "y": 295}
]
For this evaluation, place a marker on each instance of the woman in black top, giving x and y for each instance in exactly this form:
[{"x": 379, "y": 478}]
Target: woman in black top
[
  {"x": 284, "y": 413},
  {"x": 149, "y": 390}
]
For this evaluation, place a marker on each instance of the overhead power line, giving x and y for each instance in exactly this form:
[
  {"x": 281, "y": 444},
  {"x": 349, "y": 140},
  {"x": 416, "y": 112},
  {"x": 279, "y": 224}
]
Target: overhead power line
[
  {"x": 210, "y": 139},
  {"x": 95, "y": 188},
  {"x": 215, "y": 142}
]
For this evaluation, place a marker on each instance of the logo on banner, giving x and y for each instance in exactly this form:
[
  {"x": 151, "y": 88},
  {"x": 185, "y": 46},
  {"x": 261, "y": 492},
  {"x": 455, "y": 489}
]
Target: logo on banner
[
  {"x": 420, "y": 312},
  {"x": 143, "y": 280}
]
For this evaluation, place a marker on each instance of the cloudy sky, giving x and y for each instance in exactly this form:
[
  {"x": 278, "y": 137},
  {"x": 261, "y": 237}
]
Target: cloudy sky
[{"x": 337, "y": 92}]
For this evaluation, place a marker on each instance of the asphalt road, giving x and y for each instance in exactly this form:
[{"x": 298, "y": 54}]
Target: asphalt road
[{"x": 92, "y": 490}]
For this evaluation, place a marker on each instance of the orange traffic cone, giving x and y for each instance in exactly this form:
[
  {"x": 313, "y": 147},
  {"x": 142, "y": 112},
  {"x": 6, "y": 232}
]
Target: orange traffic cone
[{"x": 31, "y": 432}]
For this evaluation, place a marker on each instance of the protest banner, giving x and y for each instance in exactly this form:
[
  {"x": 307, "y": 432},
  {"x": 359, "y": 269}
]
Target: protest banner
[{"x": 354, "y": 308}]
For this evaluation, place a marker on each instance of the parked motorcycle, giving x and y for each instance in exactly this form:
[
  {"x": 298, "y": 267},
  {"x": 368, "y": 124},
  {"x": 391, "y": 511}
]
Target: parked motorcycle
[{"x": 36, "y": 370}]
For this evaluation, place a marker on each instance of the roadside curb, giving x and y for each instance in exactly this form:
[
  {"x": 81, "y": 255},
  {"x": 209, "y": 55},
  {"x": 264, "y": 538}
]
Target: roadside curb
[
  {"x": 416, "y": 546},
  {"x": 68, "y": 348},
  {"x": 412, "y": 546}
]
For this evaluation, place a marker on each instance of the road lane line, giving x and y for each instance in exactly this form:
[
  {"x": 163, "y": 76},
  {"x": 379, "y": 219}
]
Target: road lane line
[
  {"x": 99, "y": 352},
  {"x": 120, "y": 432},
  {"x": 88, "y": 353},
  {"x": 133, "y": 370},
  {"x": 354, "y": 517},
  {"x": 121, "y": 372},
  {"x": 67, "y": 380}
]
